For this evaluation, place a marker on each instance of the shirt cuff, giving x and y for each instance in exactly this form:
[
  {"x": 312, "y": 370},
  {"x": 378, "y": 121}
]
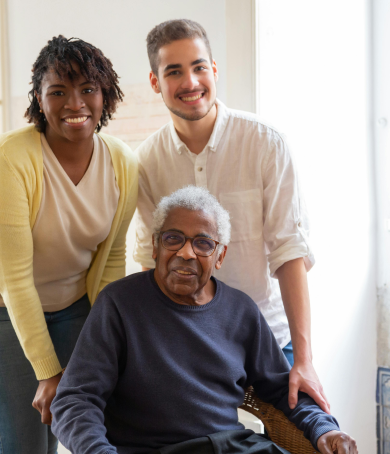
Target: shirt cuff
[
  {"x": 320, "y": 430},
  {"x": 286, "y": 253}
]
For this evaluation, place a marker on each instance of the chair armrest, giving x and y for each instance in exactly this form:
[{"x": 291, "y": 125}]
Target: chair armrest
[{"x": 280, "y": 430}]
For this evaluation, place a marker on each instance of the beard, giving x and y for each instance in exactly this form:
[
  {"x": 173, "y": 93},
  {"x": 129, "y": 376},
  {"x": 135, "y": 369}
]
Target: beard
[{"x": 194, "y": 116}]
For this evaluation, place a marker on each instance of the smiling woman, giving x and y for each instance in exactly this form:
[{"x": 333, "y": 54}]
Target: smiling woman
[{"x": 67, "y": 196}]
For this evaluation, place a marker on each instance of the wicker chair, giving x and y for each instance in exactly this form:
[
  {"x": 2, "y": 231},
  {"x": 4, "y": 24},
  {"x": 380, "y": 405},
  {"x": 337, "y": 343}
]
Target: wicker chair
[{"x": 280, "y": 430}]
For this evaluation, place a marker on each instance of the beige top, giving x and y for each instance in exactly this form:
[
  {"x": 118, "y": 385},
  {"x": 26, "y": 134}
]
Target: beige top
[{"x": 71, "y": 222}]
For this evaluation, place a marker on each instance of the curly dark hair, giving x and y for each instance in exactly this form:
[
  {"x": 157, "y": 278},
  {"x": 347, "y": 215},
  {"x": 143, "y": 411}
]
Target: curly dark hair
[{"x": 94, "y": 66}]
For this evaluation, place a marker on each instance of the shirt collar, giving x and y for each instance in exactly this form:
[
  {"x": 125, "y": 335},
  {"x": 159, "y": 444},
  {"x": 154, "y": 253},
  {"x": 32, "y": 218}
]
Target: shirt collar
[
  {"x": 218, "y": 130},
  {"x": 179, "y": 145}
]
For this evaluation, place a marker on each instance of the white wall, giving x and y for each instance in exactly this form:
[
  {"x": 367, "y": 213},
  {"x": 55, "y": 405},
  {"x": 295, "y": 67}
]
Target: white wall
[
  {"x": 314, "y": 87},
  {"x": 118, "y": 27},
  {"x": 241, "y": 46}
]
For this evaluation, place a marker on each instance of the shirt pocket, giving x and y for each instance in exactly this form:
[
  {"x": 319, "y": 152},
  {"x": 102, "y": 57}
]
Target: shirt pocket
[{"x": 246, "y": 214}]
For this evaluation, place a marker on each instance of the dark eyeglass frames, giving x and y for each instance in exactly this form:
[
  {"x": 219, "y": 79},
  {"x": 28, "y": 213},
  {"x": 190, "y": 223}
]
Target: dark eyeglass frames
[{"x": 201, "y": 245}]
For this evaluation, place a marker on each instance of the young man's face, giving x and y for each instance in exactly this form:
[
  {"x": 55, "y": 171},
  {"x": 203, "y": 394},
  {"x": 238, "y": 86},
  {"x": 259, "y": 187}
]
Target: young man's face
[{"x": 186, "y": 78}]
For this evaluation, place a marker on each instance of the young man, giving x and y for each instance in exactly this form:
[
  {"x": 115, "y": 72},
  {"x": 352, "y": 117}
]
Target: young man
[{"x": 248, "y": 167}]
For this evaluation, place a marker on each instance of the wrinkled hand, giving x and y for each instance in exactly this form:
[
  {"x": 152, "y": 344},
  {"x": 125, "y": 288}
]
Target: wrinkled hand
[
  {"x": 303, "y": 378},
  {"x": 336, "y": 442},
  {"x": 45, "y": 394}
]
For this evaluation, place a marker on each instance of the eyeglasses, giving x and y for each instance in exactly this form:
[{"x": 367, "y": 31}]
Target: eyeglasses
[{"x": 201, "y": 245}]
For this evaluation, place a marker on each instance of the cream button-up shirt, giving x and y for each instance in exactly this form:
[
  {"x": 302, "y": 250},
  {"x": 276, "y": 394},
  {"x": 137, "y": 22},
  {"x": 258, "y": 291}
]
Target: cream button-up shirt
[{"x": 247, "y": 166}]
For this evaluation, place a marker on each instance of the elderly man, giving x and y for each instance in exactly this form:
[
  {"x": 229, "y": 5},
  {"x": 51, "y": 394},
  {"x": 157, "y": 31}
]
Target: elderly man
[{"x": 165, "y": 355}]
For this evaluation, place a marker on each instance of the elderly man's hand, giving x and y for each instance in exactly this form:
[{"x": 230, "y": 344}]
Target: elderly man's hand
[
  {"x": 336, "y": 442},
  {"x": 303, "y": 378}
]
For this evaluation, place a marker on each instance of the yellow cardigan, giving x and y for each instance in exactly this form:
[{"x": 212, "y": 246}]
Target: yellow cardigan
[{"x": 21, "y": 177}]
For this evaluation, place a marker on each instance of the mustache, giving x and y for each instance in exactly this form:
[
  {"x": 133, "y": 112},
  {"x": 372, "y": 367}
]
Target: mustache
[
  {"x": 189, "y": 92},
  {"x": 179, "y": 262}
]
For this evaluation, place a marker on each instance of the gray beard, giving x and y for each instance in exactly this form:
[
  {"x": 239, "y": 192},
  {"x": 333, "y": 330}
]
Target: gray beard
[{"x": 190, "y": 117}]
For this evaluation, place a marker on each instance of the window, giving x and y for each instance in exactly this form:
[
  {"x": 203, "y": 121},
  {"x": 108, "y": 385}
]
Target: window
[{"x": 314, "y": 68}]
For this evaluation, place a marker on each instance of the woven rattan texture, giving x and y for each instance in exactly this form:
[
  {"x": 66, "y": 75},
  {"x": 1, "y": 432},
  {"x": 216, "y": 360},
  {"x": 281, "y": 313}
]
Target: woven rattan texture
[{"x": 281, "y": 431}]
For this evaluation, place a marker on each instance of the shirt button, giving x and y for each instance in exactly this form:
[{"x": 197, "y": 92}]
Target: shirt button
[
  {"x": 200, "y": 169},
  {"x": 299, "y": 224}
]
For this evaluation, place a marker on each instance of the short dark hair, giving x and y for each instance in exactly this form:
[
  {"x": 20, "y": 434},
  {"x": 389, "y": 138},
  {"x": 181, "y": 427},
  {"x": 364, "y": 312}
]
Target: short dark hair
[
  {"x": 173, "y": 30},
  {"x": 58, "y": 54}
]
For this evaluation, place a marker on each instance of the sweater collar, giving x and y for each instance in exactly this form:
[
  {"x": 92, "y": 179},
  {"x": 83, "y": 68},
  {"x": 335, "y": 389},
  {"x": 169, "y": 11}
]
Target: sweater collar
[{"x": 182, "y": 307}]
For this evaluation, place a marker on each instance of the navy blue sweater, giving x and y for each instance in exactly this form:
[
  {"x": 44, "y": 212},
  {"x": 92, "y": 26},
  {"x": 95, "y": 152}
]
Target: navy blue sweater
[{"x": 147, "y": 372}]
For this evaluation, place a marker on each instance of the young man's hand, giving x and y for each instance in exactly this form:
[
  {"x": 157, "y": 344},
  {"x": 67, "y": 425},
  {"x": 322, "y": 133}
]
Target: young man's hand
[
  {"x": 303, "y": 378},
  {"x": 336, "y": 442},
  {"x": 292, "y": 277},
  {"x": 45, "y": 394}
]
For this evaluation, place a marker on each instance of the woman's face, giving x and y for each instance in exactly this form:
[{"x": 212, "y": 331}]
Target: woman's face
[{"x": 72, "y": 109}]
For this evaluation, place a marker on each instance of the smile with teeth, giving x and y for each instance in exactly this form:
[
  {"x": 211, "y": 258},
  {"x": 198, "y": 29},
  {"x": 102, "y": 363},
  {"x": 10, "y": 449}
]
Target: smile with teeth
[
  {"x": 75, "y": 120},
  {"x": 191, "y": 98},
  {"x": 182, "y": 272}
]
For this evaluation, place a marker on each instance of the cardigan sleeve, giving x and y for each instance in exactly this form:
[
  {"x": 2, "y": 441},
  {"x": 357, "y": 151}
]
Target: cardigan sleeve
[
  {"x": 115, "y": 267},
  {"x": 16, "y": 274}
]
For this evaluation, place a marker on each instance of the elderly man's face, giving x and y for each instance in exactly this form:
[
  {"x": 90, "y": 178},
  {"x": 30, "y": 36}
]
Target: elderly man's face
[{"x": 172, "y": 266}]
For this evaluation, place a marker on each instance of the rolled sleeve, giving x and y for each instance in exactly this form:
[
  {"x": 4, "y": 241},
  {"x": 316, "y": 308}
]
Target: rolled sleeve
[{"x": 286, "y": 224}]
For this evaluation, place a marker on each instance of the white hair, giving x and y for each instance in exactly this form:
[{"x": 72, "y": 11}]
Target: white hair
[{"x": 195, "y": 199}]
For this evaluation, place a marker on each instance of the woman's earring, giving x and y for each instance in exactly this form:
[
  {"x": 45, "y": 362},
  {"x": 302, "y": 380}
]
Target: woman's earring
[{"x": 40, "y": 110}]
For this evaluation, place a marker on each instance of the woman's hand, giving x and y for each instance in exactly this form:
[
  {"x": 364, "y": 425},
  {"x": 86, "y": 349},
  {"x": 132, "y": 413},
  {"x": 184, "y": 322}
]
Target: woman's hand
[{"x": 45, "y": 394}]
